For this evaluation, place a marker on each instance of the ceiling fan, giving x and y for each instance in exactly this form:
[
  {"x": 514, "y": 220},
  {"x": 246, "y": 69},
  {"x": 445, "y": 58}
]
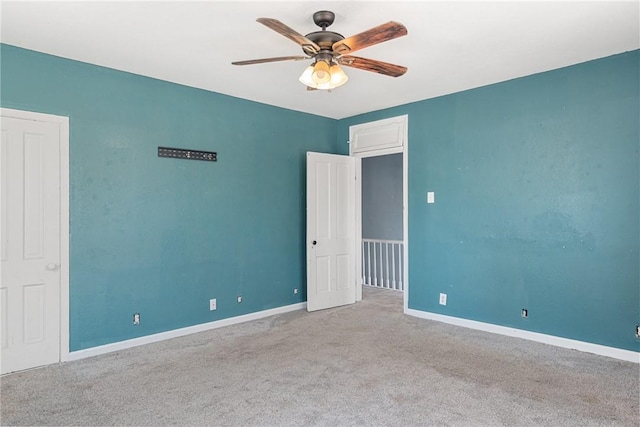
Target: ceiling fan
[{"x": 329, "y": 50}]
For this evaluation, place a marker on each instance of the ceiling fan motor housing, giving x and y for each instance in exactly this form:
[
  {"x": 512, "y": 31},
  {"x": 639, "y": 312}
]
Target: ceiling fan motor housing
[{"x": 325, "y": 39}]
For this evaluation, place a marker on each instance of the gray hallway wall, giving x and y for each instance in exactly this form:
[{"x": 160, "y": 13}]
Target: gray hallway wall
[{"x": 382, "y": 197}]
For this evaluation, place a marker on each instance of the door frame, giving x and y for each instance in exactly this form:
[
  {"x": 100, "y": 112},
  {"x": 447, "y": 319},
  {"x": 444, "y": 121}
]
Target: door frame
[
  {"x": 359, "y": 155},
  {"x": 63, "y": 126}
]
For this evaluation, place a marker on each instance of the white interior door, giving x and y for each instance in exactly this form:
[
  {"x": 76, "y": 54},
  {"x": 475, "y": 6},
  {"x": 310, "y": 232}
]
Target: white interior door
[
  {"x": 30, "y": 239},
  {"x": 330, "y": 231}
]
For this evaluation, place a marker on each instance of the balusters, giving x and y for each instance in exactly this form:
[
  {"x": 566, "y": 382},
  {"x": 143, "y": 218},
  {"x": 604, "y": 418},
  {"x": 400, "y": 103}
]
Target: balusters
[{"x": 378, "y": 268}]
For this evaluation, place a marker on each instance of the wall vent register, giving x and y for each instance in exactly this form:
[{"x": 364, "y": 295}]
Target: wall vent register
[{"x": 181, "y": 153}]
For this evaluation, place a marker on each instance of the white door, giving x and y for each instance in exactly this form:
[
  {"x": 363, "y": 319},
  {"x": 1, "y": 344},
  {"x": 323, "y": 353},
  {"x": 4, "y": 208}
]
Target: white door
[
  {"x": 330, "y": 231},
  {"x": 30, "y": 277}
]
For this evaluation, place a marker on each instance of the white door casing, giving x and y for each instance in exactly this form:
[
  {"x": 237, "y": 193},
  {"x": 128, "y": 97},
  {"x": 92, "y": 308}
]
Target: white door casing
[
  {"x": 330, "y": 231},
  {"x": 379, "y": 138},
  {"x": 34, "y": 257}
]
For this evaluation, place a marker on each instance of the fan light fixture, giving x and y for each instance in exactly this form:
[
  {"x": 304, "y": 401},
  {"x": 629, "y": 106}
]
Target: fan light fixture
[{"x": 323, "y": 76}]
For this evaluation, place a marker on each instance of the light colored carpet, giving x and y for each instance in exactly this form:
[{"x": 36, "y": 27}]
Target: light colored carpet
[{"x": 365, "y": 364}]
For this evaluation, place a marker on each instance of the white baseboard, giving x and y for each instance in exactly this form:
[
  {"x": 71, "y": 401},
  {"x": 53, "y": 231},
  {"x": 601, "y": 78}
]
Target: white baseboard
[
  {"x": 616, "y": 353},
  {"x": 134, "y": 342}
]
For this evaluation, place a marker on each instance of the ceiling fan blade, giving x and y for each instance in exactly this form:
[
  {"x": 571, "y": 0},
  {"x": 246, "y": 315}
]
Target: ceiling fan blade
[
  {"x": 307, "y": 45},
  {"x": 373, "y": 65},
  {"x": 379, "y": 34},
  {"x": 276, "y": 59}
]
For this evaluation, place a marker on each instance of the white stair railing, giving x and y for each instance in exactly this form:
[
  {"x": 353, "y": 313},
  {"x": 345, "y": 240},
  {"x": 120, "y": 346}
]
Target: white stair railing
[{"x": 382, "y": 263}]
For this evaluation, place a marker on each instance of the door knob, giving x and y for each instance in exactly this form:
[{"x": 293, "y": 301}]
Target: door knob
[
  {"x": 52, "y": 267},
  {"x": 314, "y": 243}
]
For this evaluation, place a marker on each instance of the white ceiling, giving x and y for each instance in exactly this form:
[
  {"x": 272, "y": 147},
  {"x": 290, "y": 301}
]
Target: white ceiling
[{"x": 451, "y": 45}]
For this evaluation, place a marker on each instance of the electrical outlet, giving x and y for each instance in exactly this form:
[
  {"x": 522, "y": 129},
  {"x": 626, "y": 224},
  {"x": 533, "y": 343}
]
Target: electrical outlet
[
  {"x": 136, "y": 318},
  {"x": 212, "y": 304},
  {"x": 443, "y": 299},
  {"x": 295, "y": 291},
  {"x": 637, "y": 331},
  {"x": 524, "y": 313},
  {"x": 239, "y": 299}
]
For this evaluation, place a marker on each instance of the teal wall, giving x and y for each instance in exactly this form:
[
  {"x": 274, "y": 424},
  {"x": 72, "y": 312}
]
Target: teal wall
[
  {"x": 536, "y": 181},
  {"x": 162, "y": 236},
  {"x": 537, "y": 192}
]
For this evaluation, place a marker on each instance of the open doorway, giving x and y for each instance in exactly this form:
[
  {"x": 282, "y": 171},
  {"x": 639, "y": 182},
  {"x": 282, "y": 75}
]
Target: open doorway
[
  {"x": 382, "y": 235},
  {"x": 371, "y": 144}
]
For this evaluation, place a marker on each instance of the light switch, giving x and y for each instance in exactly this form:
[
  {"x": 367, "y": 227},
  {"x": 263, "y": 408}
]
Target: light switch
[{"x": 431, "y": 197}]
